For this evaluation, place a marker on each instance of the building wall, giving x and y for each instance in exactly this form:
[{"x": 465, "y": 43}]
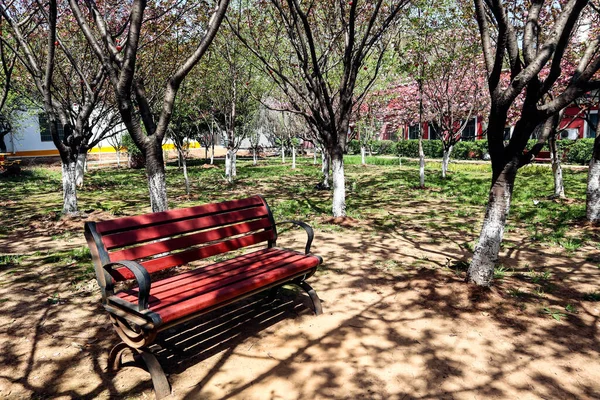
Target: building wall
[{"x": 26, "y": 139}]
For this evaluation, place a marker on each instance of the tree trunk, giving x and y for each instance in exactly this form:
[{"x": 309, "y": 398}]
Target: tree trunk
[
  {"x": 185, "y": 174},
  {"x": 421, "y": 163},
  {"x": 315, "y": 156},
  {"x": 228, "y": 166},
  {"x": 325, "y": 161},
  {"x": 481, "y": 269},
  {"x": 80, "y": 168},
  {"x": 446, "y": 161},
  {"x": 212, "y": 153},
  {"x": 157, "y": 185},
  {"x": 339, "y": 183},
  {"x": 294, "y": 157},
  {"x": 282, "y": 154},
  {"x": 559, "y": 186},
  {"x": 363, "y": 153},
  {"x": 118, "y": 158},
  {"x": 254, "y": 160},
  {"x": 593, "y": 185},
  {"x": 69, "y": 187},
  {"x": 234, "y": 164}
]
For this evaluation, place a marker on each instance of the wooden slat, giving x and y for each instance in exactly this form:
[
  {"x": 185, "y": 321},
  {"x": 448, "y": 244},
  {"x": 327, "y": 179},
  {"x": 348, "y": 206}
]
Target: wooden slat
[
  {"x": 183, "y": 242},
  {"x": 237, "y": 289},
  {"x": 137, "y": 236},
  {"x": 120, "y": 224},
  {"x": 211, "y": 279},
  {"x": 194, "y": 254},
  {"x": 247, "y": 258}
]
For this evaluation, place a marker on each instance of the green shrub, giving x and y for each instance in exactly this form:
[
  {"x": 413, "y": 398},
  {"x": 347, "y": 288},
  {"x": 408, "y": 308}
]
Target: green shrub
[
  {"x": 407, "y": 148},
  {"x": 354, "y": 147},
  {"x": 579, "y": 151},
  {"x": 132, "y": 149},
  {"x": 382, "y": 146},
  {"x": 470, "y": 150}
]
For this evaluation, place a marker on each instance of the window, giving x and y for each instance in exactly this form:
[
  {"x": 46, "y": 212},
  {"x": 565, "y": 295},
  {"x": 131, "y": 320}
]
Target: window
[
  {"x": 413, "y": 132},
  {"x": 433, "y": 131},
  {"x": 592, "y": 126},
  {"x": 45, "y": 135},
  {"x": 507, "y": 133},
  {"x": 469, "y": 132}
]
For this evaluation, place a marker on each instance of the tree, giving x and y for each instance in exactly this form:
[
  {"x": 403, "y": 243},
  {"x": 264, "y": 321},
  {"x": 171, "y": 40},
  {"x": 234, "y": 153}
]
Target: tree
[
  {"x": 585, "y": 104},
  {"x": 61, "y": 77},
  {"x": 8, "y": 59},
  {"x": 116, "y": 142},
  {"x": 367, "y": 126},
  {"x": 116, "y": 39},
  {"x": 532, "y": 40},
  {"x": 324, "y": 57}
]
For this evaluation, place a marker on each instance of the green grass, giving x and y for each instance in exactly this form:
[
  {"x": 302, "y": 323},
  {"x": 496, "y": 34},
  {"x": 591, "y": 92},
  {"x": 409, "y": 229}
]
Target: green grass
[{"x": 456, "y": 203}]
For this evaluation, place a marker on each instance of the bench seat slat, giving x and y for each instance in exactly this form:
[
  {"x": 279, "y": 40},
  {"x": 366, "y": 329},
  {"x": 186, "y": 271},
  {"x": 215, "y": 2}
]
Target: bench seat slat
[
  {"x": 187, "y": 241},
  {"x": 206, "y": 277},
  {"x": 145, "y": 234},
  {"x": 125, "y": 223},
  {"x": 198, "y": 253},
  {"x": 196, "y": 295}
]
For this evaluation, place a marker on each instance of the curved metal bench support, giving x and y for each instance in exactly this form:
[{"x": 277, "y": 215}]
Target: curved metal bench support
[
  {"x": 313, "y": 297},
  {"x": 144, "y": 359}
]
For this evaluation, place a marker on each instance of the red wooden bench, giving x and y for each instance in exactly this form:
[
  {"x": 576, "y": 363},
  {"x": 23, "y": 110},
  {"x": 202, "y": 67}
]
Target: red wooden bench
[{"x": 133, "y": 248}]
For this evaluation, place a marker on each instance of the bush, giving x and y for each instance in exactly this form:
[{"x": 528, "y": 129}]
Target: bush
[
  {"x": 354, "y": 147},
  {"x": 470, "y": 150},
  {"x": 135, "y": 157},
  {"x": 407, "y": 148},
  {"x": 580, "y": 151},
  {"x": 382, "y": 146}
]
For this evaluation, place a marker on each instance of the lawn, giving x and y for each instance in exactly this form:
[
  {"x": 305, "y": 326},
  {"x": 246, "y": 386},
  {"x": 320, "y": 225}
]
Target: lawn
[{"x": 399, "y": 320}]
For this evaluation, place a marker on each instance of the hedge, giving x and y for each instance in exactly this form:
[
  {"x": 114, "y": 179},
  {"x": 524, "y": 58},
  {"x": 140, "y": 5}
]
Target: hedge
[{"x": 576, "y": 152}]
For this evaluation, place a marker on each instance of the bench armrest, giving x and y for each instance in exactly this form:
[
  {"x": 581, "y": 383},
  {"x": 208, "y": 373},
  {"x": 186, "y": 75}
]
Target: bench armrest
[
  {"x": 141, "y": 276},
  {"x": 309, "y": 232}
]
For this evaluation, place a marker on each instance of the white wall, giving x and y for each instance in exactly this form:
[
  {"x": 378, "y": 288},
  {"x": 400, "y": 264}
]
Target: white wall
[{"x": 26, "y": 134}]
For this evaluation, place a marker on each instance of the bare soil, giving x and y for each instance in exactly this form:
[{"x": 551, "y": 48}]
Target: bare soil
[{"x": 399, "y": 323}]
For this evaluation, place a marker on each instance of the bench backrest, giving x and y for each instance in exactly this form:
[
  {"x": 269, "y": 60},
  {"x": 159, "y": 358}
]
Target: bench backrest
[{"x": 176, "y": 237}]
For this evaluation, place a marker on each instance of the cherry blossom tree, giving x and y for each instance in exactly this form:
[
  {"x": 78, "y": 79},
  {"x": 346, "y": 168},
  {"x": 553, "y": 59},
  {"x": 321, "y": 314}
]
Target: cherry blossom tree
[
  {"x": 324, "y": 57},
  {"x": 125, "y": 38},
  {"x": 526, "y": 38},
  {"x": 62, "y": 78}
]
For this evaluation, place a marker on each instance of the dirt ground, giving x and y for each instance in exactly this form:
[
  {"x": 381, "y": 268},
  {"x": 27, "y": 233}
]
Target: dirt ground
[{"x": 398, "y": 323}]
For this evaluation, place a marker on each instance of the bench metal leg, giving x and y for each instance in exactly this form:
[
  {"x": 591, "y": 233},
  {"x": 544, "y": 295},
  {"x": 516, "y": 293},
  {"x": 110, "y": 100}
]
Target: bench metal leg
[
  {"x": 313, "y": 297},
  {"x": 273, "y": 292},
  {"x": 144, "y": 359}
]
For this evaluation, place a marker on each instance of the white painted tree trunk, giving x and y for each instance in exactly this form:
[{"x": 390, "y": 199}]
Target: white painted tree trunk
[
  {"x": 118, "y": 158},
  {"x": 315, "y": 157},
  {"x": 446, "y": 161},
  {"x": 158, "y": 191},
  {"x": 185, "y": 174},
  {"x": 294, "y": 157},
  {"x": 234, "y": 164},
  {"x": 363, "y": 155},
  {"x": 485, "y": 257},
  {"x": 593, "y": 186},
  {"x": 339, "y": 186},
  {"x": 559, "y": 186},
  {"x": 254, "y": 160},
  {"x": 325, "y": 169},
  {"x": 228, "y": 166},
  {"x": 80, "y": 169},
  {"x": 69, "y": 188},
  {"x": 212, "y": 154},
  {"x": 421, "y": 163},
  {"x": 282, "y": 154}
]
